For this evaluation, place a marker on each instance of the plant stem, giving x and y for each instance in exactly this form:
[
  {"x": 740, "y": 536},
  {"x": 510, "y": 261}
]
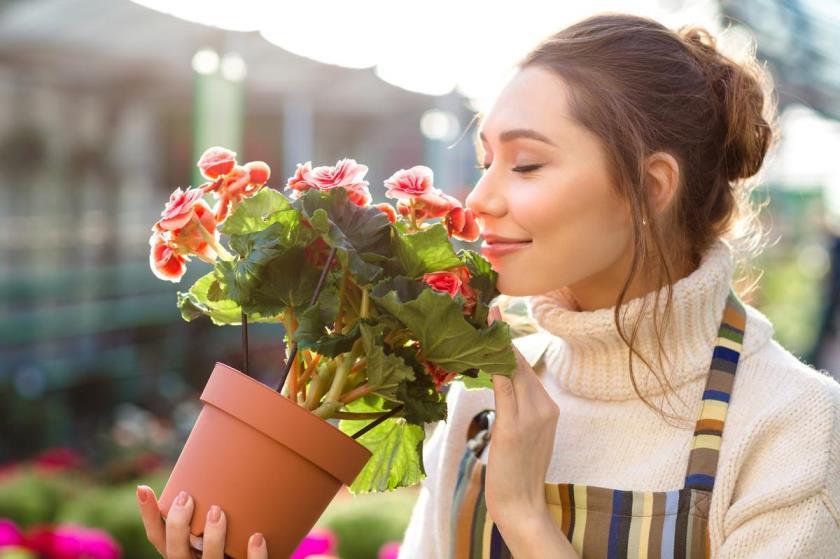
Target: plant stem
[
  {"x": 365, "y": 306},
  {"x": 356, "y": 393},
  {"x": 210, "y": 239},
  {"x": 358, "y": 415},
  {"x": 332, "y": 403},
  {"x": 341, "y": 294}
]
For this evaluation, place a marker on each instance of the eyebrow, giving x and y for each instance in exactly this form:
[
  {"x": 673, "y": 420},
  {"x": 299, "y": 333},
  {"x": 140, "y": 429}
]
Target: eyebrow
[{"x": 509, "y": 135}]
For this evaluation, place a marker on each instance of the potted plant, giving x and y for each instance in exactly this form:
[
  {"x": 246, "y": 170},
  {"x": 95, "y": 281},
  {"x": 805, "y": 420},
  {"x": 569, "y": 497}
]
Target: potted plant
[{"x": 380, "y": 312}]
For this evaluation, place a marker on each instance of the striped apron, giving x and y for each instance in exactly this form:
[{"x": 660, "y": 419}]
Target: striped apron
[{"x": 602, "y": 522}]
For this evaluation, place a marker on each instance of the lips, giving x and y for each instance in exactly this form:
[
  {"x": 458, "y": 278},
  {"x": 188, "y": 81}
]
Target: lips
[{"x": 495, "y": 246}]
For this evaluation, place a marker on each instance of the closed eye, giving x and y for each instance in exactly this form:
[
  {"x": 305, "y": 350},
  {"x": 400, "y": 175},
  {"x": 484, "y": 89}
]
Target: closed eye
[{"x": 521, "y": 169}]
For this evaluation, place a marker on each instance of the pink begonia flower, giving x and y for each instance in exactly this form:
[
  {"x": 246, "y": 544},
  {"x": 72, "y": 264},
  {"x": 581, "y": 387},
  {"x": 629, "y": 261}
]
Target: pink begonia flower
[
  {"x": 346, "y": 174},
  {"x": 10, "y": 534},
  {"x": 461, "y": 224},
  {"x": 410, "y": 183},
  {"x": 445, "y": 282},
  {"x": 164, "y": 259},
  {"x": 179, "y": 210},
  {"x": 216, "y": 161},
  {"x": 389, "y": 550},
  {"x": 189, "y": 239},
  {"x": 319, "y": 541},
  {"x": 70, "y": 541}
]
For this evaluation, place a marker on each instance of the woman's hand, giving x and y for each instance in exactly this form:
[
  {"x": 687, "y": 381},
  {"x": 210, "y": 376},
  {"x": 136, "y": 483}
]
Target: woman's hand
[
  {"x": 521, "y": 445},
  {"x": 172, "y": 538}
]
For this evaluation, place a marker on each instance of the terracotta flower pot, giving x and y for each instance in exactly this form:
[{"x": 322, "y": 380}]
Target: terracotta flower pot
[{"x": 271, "y": 465}]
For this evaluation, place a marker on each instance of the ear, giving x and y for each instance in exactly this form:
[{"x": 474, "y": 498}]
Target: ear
[{"x": 661, "y": 179}]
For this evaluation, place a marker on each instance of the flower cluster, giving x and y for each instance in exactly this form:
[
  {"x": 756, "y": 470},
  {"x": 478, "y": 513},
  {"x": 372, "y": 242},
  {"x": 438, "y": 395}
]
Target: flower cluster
[
  {"x": 187, "y": 225},
  {"x": 382, "y": 308},
  {"x": 419, "y": 200}
]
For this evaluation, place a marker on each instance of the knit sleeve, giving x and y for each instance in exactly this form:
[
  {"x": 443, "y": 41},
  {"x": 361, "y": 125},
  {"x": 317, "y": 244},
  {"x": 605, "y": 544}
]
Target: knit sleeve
[
  {"x": 419, "y": 537},
  {"x": 788, "y": 502},
  {"x": 807, "y": 529}
]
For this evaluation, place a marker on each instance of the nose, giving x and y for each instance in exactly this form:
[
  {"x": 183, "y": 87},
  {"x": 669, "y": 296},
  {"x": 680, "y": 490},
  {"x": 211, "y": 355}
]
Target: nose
[{"x": 486, "y": 198}]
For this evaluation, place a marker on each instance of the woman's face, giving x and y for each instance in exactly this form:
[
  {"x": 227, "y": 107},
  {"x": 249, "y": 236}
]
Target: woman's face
[{"x": 546, "y": 184}]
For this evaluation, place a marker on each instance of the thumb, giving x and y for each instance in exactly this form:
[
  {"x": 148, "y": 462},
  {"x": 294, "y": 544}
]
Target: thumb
[{"x": 493, "y": 315}]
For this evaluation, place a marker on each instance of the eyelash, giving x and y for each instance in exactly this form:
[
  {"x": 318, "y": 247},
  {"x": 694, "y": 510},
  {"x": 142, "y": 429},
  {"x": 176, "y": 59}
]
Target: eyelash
[{"x": 524, "y": 169}]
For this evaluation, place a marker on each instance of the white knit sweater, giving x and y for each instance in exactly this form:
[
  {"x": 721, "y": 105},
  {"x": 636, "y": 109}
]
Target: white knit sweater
[{"x": 777, "y": 490}]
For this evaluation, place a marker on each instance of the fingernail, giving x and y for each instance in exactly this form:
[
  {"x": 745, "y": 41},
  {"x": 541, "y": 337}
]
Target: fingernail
[
  {"x": 257, "y": 540},
  {"x": 182, "y": 499},
  {"x": 141, "y": 494},
  {"x": 215, "y": 514}
]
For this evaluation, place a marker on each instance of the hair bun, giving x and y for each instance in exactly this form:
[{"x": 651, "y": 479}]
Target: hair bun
[{"x": 742, "y": 90}]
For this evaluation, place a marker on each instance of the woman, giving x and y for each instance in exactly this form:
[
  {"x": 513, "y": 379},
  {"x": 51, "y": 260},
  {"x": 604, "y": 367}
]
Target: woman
[{"x": 614, "y": 196}]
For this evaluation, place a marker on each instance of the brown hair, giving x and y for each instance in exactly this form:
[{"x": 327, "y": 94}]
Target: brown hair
[{"x": 643, "y": 88}]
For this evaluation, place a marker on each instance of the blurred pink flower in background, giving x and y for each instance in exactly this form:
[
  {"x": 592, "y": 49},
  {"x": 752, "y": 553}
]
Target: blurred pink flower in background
[
  {"x": 10, "y": 534},
  {"x": 389, "y": 550},
  {"x": 69, "y": 541},
  {"x": 59, "y": 459},
  {"x": 319, "y": 541}
]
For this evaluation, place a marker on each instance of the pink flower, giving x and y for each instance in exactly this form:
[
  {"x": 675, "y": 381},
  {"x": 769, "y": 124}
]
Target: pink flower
[
  {"x": 461, "y": 224},
  {"x": 388, "y": 210},
  {"x": 453, "y": 282},
  {"x": 259, "y": 172},
  {"x": 164, "y": 259},
  {"x": 346, "y": 174},
  {"x": 319, "y": 541},
  {"x": 389, "y": 550},
  {"x": 190, "y": 240},
  {"x": 439, "y": 375},
  {"x": 240, "y": 182},
  {"x": 445, "y": 282},
  {"x": 10, "y": 534},
  {"x": 69, "y": 541},
  {"x": 216, "y": 161},
  {"x": 410, "y": 183},
  {"x": 179, "y": 209}
]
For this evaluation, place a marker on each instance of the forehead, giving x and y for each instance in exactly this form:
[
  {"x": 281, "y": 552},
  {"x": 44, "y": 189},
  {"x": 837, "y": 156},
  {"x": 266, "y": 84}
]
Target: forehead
[{"x": 533, "y": 98}]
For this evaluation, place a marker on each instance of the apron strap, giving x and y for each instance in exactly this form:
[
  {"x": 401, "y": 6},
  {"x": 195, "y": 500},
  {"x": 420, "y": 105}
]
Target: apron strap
[{"x": 708, "y": 432}]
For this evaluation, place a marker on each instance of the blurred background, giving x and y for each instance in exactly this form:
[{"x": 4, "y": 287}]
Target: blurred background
[{"x": 106, "y": 105}]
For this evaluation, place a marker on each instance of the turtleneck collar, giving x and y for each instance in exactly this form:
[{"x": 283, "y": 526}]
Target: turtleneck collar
[{"x": 589, "y": 358}]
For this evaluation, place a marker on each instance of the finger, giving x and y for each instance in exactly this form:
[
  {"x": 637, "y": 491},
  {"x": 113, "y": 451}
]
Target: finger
[
  {"x": 505, "y": 396},
  {"x": 152, "y": 521},
  {"x": 214, "y": 534},
  {"x": 257, "y": 548},
  {"x": 178, "y": 527}
]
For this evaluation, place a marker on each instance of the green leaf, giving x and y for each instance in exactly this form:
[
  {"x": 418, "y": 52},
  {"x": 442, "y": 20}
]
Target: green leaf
[
  {"x": 397, "y": 448},
  {"x": 362, "y": 234},
  {"x": 258, "y": 212},
  {"x": 482, "y": 276},
  {"x": 446, "y": 337},
  {"x": 423, "y": 402},
  {"x": 385, "y": 372},
  {"x": 426, "y": 251},
  {"x": 483, "y": 380},
  {"x": 220, "y": 308}
]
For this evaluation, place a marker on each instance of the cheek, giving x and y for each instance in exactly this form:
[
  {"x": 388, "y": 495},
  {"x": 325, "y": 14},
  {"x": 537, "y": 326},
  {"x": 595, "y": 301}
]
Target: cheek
[{"x": 579, "y": 226}]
